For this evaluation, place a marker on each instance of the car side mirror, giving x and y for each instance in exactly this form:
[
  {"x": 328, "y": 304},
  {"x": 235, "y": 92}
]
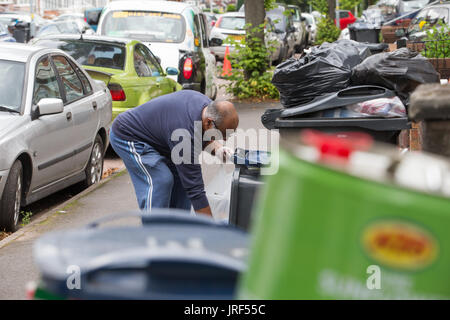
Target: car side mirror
[
  {"x": 48, "y": 106},
  {"x": 171, "y": 71},
  {"x": 279, "y": 31},
  {"x": 303, "y": 19},
  {"x": 215, "y": 42}
]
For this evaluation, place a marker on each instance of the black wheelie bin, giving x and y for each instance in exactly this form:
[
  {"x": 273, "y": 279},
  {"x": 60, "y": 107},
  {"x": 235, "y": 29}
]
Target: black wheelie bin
[
  {"x": 291, "y": 120},
  {"x": 245, "y": 184}
]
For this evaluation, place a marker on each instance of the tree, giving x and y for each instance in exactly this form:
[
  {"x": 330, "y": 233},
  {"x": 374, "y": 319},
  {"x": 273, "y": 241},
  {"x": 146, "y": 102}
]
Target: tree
[
  {"x": 332, "y": 9},
  {"x": 255, "y": 14}
]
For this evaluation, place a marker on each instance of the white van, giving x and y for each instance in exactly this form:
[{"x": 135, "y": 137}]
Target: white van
[{"x": 176, "y": 32}]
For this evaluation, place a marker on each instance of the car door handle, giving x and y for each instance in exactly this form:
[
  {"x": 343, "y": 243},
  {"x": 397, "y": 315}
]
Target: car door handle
[
  {"x": 69, "y": 115},
  {"x": 94, "y": 105}
]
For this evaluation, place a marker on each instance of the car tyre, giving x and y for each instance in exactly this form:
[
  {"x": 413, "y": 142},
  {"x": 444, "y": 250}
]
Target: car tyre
[
  {"x": 12, "y": 198},
  {"x": 94, "y": 168}
]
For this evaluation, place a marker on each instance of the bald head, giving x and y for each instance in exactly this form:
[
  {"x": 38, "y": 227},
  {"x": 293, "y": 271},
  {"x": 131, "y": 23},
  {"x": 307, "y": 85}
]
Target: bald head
[{"x": 223, "y": 114}]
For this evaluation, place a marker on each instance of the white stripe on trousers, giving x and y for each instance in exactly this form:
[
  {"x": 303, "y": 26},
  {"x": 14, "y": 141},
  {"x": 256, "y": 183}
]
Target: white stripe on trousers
[{"x": 138, "y": 159}]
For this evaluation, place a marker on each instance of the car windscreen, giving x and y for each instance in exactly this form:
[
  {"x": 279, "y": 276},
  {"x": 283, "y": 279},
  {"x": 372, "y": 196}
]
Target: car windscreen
[
  {"x": 278, "y": 18},
  {"x": 91, "y": 53},
  {"x": 3, "y": 28},
  {"x": 295, "y": 14},
  {"x": 12, "y": 80},
  {"x": 232, "y": 23},
  {"x": 145, "y": 26},
  {"x": 412, "y": 5},
  {"x": 430, "y": 16},
  {"x": 66, "y": 27}
]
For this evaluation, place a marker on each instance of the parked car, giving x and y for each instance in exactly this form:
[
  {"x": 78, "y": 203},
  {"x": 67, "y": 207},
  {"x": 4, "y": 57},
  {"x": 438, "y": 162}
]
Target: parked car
[
  {"x": 406, "y": 6},
  {"x": 54, "y": 126},
  {"x": 127, "y": 67},
  {"x": 5, "y": 36},
  {"x": 346, "y": 17},
  {"x": 301, "y": 32},
  {"x": 92, "y": 17},
  {"x": 33, "y": 23},
  {"x": 212, "y": 19},
  {"x": 284, "y": 28},
  {"x": 176, "y": 32},
  {"x": 65, "y": 27},
  {"x": 232, "y": 25},
  {"x": 311, "y": 27},
  {"x": 425, "y": 19}
]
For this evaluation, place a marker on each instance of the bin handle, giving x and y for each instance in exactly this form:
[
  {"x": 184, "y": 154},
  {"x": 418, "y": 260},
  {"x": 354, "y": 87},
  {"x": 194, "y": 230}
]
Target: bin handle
[
  {"x": 161, "y": 216},
  {"x": 135, "y": 257}
]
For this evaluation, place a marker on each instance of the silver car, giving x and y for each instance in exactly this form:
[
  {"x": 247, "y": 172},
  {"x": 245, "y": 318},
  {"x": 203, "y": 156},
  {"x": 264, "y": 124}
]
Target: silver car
[
  {"x": 231, "y": 25},
  {"x": 54, "y": 126}
]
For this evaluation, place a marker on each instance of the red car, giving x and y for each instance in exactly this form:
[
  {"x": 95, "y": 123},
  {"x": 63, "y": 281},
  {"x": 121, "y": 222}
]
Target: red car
[{"x": 345, "y": 18}]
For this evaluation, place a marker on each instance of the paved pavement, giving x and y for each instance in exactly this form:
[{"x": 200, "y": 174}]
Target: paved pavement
[{"x": 115, "y": 195}]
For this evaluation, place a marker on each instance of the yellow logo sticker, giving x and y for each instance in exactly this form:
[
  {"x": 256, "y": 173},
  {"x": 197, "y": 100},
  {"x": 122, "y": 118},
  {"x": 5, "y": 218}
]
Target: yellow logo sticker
[{"x": 400, "y": 245}]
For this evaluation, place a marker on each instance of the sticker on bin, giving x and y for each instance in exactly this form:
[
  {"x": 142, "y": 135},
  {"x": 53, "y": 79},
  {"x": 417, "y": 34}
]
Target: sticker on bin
[
  {"x": 400, "y": 245},
  {"x": 251, "y": 158}
]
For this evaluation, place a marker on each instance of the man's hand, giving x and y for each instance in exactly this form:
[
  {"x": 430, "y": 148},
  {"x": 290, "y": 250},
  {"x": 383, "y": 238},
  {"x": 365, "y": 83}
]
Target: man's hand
[
  {"x": 205, "y": 211},
  {"x": 221, "y": 152},
  {"x": 224, "y": 153}
]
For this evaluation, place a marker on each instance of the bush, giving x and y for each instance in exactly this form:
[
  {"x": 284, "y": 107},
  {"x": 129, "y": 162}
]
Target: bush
[
  {"x": 258, "y": 86},
  {"x": 327, "y": 31},
  {"x": 437, "y": 41},
  {"x": 250, "y": 78},
  {"x": 231, "y": 8}
]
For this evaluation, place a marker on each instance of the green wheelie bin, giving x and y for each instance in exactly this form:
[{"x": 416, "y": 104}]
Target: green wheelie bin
[{"x": 347, "y": 220}]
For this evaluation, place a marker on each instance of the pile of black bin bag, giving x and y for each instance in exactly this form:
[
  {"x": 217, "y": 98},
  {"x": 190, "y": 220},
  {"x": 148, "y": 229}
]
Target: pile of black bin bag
[{"x": 334, "y": 66}]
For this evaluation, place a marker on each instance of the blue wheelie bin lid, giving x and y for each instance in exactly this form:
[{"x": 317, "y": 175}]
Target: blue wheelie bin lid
[{"x": 173, "y": 255}]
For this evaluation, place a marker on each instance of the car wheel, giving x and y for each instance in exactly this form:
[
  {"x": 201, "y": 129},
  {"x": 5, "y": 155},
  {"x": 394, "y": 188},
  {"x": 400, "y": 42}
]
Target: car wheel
[
  {"x": 12, "y": 198},
  {"x": 94, "y": 168}
]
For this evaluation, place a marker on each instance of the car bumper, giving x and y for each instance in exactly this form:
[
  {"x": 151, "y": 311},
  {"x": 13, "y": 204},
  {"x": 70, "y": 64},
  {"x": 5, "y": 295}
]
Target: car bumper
[
  {"x": 219, "y": 52},
  {"x": 118, "y": 107}
]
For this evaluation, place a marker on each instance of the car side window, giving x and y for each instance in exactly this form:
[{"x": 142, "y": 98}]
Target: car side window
[
  {"x": 204, "y": 26},
  {"x": 153, "y": 62},
  {"x": 343, "y": 14},
  {"x": 196, "y": 31},
  {"x": 142, "y": 62},
  {"x": 70, "y": 81},
  {"x": 86, "y": 84},
  {"x": 45, "y": 82}
]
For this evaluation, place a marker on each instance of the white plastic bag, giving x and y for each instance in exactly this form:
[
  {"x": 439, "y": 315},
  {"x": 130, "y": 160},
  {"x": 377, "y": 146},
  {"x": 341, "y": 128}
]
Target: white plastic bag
[
  {"x": 218, "y": 192},
  {"x": 383, "y": 107}
]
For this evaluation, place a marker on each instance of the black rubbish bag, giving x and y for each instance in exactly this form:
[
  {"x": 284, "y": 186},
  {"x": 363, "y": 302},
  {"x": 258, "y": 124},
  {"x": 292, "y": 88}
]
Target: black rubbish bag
[
  {"x": 401, "y": 70},
  {"x": 325, "y": 69}
]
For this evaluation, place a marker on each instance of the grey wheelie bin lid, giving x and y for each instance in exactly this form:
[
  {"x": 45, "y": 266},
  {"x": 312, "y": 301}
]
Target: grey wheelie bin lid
[{"x": 173, "y": 255}]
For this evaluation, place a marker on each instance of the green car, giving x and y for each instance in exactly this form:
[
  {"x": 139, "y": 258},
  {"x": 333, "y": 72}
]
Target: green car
[{"x": 128, "y": 67}]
